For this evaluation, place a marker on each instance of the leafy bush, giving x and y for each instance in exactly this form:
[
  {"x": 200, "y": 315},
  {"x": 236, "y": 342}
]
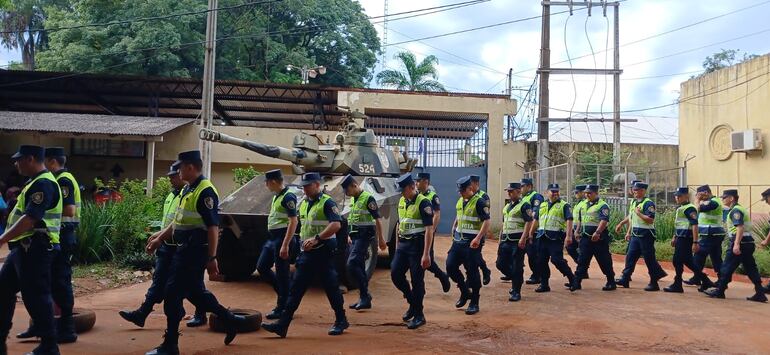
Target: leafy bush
[
  {"x": 243, "y": 175},
  {"x": 94, "y": 228}
]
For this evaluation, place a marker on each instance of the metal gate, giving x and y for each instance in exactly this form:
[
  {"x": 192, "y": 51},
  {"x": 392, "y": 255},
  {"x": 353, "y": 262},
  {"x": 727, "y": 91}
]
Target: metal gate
[{"x": 447, "y": 149}]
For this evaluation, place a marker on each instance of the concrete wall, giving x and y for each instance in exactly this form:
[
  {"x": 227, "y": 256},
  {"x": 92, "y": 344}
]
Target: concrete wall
[
  {"x": 712, "y": 106},
  {"x": 500, "y": 158}
]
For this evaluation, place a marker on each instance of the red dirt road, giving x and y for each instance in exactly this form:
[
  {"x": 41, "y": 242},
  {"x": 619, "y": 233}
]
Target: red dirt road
[{"x": 588, "y": 321}]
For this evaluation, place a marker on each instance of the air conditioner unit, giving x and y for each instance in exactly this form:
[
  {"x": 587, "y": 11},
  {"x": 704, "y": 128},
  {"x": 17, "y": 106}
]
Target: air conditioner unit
[{"x": 744, "y": 141}]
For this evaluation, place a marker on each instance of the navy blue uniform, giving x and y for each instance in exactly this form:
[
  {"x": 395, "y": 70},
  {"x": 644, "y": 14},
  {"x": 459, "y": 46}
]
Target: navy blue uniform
[
  {"x": 642, "y": 243},
  {"x": 710, "y": 243},
  {"x": 188, "y": 265},
  {"x": 535, "y": 201},
  {"x": 28, "y": 267},
  {"x": 510, "y": 258},
  {"x": 409, "y": 258},
  {"x": 361, "y": 237},
  {"x": 683, "y": 247},
  {"x": 599, "y": 249},
  {"x": 316, "y": 262},
  {"x": 746, "y": 258},
  {"x": 461, "y": 253},
  {"x": 61, "y": 266},
  {"x": 271, "y": 254},
  {"x": 549, "y": 248}
]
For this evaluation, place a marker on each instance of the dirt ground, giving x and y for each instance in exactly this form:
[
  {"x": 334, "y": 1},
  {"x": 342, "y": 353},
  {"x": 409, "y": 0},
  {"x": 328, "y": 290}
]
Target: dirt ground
[{"x": 588, "y": 321}]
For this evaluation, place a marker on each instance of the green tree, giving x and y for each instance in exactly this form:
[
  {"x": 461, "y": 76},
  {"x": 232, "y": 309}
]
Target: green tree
[
  {"x": 20, "y": 19},
  {"x": 414, "y": 76},
  {"x": 725, "y": 58},
  {"x": 256, "y": 42}
]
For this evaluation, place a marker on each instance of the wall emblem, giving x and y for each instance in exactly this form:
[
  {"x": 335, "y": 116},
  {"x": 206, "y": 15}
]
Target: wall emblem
[{"x": 719, "y": 142}]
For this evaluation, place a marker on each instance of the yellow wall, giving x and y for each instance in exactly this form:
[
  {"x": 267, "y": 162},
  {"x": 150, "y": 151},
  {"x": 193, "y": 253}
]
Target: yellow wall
[
  {"x": 737, "y": 98},
  {"x": 500, "y": 157}
]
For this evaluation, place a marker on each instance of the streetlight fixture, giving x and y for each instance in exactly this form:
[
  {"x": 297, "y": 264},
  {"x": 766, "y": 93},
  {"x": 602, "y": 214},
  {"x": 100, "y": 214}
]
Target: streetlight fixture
[{"x": 307, "y": 73}]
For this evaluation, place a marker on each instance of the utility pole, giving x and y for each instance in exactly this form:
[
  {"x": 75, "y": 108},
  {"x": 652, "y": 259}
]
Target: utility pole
[
  {"x": 385, "y": 35},
  {"x": 545, "y": 71},
  {"x": 207, "y": 101}
]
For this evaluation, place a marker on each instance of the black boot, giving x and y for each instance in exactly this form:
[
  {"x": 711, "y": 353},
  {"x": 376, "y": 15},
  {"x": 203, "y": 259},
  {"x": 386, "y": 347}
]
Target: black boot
[
  {"x": 705, "y": 284},
  {"x": 274, "y": 314},
  {"x": 197, "y": 320},
  {"x": 715, "y": 293},
  {"x": 473, "y": 308},
  {"x": 409, "y": 314},
  {"x": 27, "y": 334},
  {"x": 675, "y": 287},
  {"x": 652, "y": 287},
  {"x": 364, "y": 303},
  {"x": 543, "y": 288},
  {"x": 231, "y": 327},
  {"x": 610, "y": 285},
  {"x": 65, "y": 330},
  {"x": 532, "y": 281},
  {"x": 505, "y": 278},
  {"x": 137, "y": 317},
  {"x": 46, "y": 347},
  {"x": 486, "y": 276},
  {"x": 339, "y": 326},
  {"x": 622, "y": 282},
  {"x": 515, "y": 296},
  {"x": 276, "y": 328},
  {"x": 693, "y": 281},
  {"x": 758, "y": 297},
  {"x": 465, "y": 295},
  {"x": 416, "y": 322},
  {"x": 446, "y": 283},
  {"x": 170, "y": 345}
]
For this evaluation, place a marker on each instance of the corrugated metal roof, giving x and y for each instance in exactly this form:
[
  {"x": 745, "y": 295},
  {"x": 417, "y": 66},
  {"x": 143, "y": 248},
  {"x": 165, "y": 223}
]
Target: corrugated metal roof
[{"x": 111, "y": 125}]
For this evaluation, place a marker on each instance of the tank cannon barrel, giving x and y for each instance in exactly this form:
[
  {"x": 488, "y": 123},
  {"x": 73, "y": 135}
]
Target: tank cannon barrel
[{"x": 296, "y": 156}]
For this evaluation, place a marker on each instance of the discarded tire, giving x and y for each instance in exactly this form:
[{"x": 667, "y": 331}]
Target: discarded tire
[
  {"x": 84, "y": 319},
  {"x": 252, "y": 323}
]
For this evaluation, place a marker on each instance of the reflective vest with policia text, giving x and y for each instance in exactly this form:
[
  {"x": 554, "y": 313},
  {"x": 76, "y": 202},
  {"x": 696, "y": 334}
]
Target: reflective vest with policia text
[
  {"x": 410, "y": 224},
  {"x": 590, "y": 216},
  {"x": 712, "y": 219},
  {"x": 513, "y": 222},
  {"x": 359, "y": 215},
  {"x": 681, "y": 223},
  {"x": 637, "y": 222},
  {"x": 552, "y": 220},
  {"x": 468, "y": 221},
  {"x": 747, "y": 237},
  {"x": 75, "y": 194},
  {"x": 279, "y": 216},
  {"x": 313, "y": 219},
  {"x": 51, "y": 218},
  {"x": 187, "y": 217}
]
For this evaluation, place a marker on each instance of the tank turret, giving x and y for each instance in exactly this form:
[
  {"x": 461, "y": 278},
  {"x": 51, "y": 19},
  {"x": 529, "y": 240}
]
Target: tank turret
[{"x": 355, "y": 150}]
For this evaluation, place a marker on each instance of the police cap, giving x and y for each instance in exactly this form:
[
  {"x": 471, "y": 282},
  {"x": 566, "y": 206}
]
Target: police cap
[
  {"x": 310, "y": 178},
  {"x": 274, "y": 174},
  {"x": 347, "y": 181},
  {"x": 29, "y": 150},
  {"x": 682, "y": 191},
  {"x": 404, "y": 181},
  {"x": 463, "y": 183},
  {"x": 54, "y": 152}
]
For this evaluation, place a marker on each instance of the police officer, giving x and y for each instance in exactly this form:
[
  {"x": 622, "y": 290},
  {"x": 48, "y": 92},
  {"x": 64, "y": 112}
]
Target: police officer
[
  {"x": 281, "y": 225},
  {"x": 684, "y": 240},
  {"x": 415, "y": 237},
  {"x": 196, "y": 231},
  {"x": 534, "y": 199},
  {"x": 423, "y": 185},
  {"x": 163, "y": 256},
  {"x": 572, "y": 249},
  {"x": 33, "y": 237},
  {"x": 485, "y": 272},
  {"x": 320, "y": 221},
  {"x": 741, "y": 250},
  {"x": 517, "y": 218},
  {"x": 641, "y": 238},
  {"x": 554, "y": 232},
  {"x": 470, "y": 226},
  {"x": 626, "y": 222},
  {"x": 594, "y": 238},
  {"x": 364, "y": 223},
  {"x": 61, "y": 270},
  {"x": 711, "y": 233},
  {"x": 766, "y": 198}
]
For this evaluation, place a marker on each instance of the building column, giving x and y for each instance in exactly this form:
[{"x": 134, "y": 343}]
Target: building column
[{"x": 150, "y": 166}]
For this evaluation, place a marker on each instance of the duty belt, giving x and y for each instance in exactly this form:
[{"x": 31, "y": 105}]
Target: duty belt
[
  {"x": 511, "y": 237},
  {"x": 26, "y": 243},
  {"x": 410, "y": 237}
]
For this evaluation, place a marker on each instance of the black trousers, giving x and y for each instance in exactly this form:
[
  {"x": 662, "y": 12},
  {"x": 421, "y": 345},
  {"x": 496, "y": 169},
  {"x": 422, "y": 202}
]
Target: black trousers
[
  {"x": 409, "y": 258},
  {"x": 732, "y": 262},
  {"x": 599, "y": 249},
  {"x": 551, "y": 250},
  {"x": 461, "y": 254},
  {"x": 362, "y": 240},
  {"x": 269, "y": 256},
  {"x": 683, "y": 257},
  {"x": 61, "y": 272},
  {"x": 510, "y": 262}
]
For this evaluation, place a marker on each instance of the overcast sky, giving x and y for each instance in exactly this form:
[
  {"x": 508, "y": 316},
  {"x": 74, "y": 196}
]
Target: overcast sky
[{"x": 477, "y": 61}]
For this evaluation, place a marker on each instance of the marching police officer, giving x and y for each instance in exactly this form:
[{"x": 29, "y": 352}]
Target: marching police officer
[
  {"x": 319, "y": 223},
  {"x": 470, "y": 226},
  {"x": 627, "y": 222},
  {"x": 196, "y": 230},
  {"x": 572, "y": 249},
  {"x": 364, "y": 223},
  {"x": 423, "y": 185},
  {"x": 594, "y": 239},
  {"x": 534, "y": 199},
  {"x": 415, "y": 236},
  {"x": 281, "y": 225},
  {"x": 684, "y": 240},
  {"x": 741, "y": 250},
  {"x": 766, "y": 198},
  {"x": 554, "y": 228},
  {"x": 61, "y": 270},
  {"x": 517, "y": 218},
  {"x": 485, "y": 272},
  {"x": 641, "y": 238},
  {"x": 163, "y": 255},
  {"x": 33, "y": 237},
  {"x": 711, "y": 233}
]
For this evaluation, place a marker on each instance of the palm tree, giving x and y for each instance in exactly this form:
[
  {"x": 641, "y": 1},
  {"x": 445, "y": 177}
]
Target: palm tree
[
  {"x": 18, "y": 20},
  {"x": 415, "y": 77}
]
